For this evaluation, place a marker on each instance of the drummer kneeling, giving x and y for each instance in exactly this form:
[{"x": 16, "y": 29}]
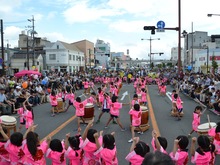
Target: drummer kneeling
[{"x": 136, "y": 120}]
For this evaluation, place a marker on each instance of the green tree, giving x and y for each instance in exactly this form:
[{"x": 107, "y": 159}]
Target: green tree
[
  {"x": 164, "y": 65},
  {"x": 159, "y": 65},
  {"x": 169, "y": 64},
  {"x": 152, "y": 65},
  {"x": 214, "y": 64}
]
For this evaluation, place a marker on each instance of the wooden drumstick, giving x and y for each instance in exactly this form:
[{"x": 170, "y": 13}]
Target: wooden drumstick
[
  {"x": 204, "y": 110},
  {"x": 209, "y": 121}
]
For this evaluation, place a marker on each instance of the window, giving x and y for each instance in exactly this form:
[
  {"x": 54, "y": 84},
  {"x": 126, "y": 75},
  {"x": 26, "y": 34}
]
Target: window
[
  {"x": 69, "y": 56},
  {"x": 77, "y": 58},
  {"x": 58, "y": 47},
  {"x": 52, "y": 56},
  {"x": 73, "y": 57}
]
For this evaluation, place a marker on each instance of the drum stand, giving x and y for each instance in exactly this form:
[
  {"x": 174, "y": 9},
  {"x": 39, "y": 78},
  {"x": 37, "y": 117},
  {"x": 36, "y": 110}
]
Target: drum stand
[
  {"x": 144, "y": 128},
  {"x": 86, "y": 120},
  {"x": 9, "y": 128}
]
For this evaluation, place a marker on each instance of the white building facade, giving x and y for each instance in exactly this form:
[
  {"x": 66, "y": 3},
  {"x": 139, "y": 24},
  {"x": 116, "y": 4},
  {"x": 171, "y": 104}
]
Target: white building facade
[
  {"x": 193, "y": 42},
  {"x": 102, "y": 53},
  {"x": 204, "y": 58},
  {"x": 174, "y": 54},
  {"x": 61, "y": 56}
]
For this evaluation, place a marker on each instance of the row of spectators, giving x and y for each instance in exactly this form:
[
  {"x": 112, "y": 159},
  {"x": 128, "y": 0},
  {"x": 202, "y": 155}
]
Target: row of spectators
[{"x": 202, "y": 88}]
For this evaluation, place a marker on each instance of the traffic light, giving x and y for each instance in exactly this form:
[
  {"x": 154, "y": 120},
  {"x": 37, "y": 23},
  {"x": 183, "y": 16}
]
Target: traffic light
[
  {"x": 152, "y": 28},
  {"x": 149, "y": 27}
]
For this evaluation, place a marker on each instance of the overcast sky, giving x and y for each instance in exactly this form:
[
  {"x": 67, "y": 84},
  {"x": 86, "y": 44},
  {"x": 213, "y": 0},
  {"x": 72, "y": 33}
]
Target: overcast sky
[{"x": 119, "y": 22}]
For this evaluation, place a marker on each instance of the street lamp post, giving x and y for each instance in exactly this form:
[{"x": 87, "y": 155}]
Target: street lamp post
[
  {"x": 28, "y": 66},
  {"x": 185, "y": 35},
  {"x": 90, "y": 60},
  {"x": 150, "y": 39},
  {"x": 179, "y": 36},
  {"x": 33, "y": 32},
  {"x": 207, "y": 59}
]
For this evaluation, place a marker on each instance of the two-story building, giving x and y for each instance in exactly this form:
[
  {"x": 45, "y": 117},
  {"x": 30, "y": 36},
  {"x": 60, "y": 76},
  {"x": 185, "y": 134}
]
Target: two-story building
[
  {"x": 102, "y": 53},
  {"x": 61, "y": 56},
  {"x": 87, "y": 47}
]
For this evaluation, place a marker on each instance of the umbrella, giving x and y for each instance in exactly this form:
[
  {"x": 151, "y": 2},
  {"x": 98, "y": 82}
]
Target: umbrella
[{"x": 28, "y": 72}]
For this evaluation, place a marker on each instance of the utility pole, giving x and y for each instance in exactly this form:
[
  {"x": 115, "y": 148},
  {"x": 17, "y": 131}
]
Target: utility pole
[
  {"x": 2, "y": 47},
  {"x": 90, "y": 59},
  {"x": 27, "y": 53},
  {"x": 192, "y": 45},
  {"x": 150, "y": 39},
  {"x": 179, "y": 37},
  {"x": 152, "y": 28},
  {"x": 33, "y": 44},
  {"x": 8, "y": 59}
]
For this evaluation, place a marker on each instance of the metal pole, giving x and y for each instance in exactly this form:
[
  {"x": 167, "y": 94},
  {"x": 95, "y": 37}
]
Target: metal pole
[
  {"x": 90, "y": 59},
  {"x": 8, "y": 59},
  {"x": 2, "y": 47},
  {"x": 192, "y": 45},
  {"x": 33, "y": 41},
  {"x": 150, "y": 52},
  {"x": 27, "y": 53},
  {"x": 207, "y": 69},
  {"x": 179, "y": 37}
]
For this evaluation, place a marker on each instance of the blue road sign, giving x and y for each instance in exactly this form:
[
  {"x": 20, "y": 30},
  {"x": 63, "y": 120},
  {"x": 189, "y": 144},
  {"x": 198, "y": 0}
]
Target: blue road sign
[
  {"x": 160, "y": 24},
  {"x": 189, "y": 67},
  {"x": 1, "y": 60}
]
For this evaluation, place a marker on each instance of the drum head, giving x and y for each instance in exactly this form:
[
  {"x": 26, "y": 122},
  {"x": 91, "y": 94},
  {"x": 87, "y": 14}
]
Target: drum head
[
  {"x": 205, "y": 126},
  {"x": 8, "y": 120},
  {"x": 89, "y": 105},
  {"x": 143, "y": 108},
  {"x": 59, "y": 99}
]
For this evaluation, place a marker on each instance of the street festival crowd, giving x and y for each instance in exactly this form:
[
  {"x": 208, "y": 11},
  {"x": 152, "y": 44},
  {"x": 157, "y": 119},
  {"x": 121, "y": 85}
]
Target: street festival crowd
[{"x": 18, "y": 95}]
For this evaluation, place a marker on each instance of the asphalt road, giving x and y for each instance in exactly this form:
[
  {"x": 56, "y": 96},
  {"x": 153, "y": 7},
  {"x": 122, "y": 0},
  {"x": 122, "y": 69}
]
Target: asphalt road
[{"x": 168, "y": 126}]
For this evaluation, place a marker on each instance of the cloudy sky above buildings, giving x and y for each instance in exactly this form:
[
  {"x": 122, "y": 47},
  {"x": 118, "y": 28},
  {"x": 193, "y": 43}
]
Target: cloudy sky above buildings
[{"x": 119, "y": 22}]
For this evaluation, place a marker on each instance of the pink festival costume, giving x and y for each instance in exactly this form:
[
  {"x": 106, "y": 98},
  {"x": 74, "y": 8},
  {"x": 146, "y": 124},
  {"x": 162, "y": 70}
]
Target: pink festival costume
[
  {"x": 39, "y": 159},
  {"x": 180, "y": 158},
  {"x": 16, "y": 155},
  {"x": 201, "y": 159},
  {"x": 58, "y": 158},
  {"x": 108, "y": 157},
  {"x": 136, "y": 117},
  {"x": 91, "y": 100},
  {"x": 134, "y": 159},
  {"x": 80, "y": 108},
  {"x": 86, "y": 84},
  {"x": 115, "y": 107},
  {"x": 196, "y": 121},
  {"x": 179, "y": 103},
  {"x": 143, "y": 97},
  {"x": 211, "y": 132},
  {"x": 53, "y": 100},
  {"x": 71, "y": 155},
  {"x": 4, "y": 155},
  {"x": 70, "y": 97},
  {"x": 163, "y": 89},
  {"x": 21, "y": 114},
  {"x": 138, "y": 101},
  {"x": 89, "y": 149},
  {"x": 29, "y": 118},
  {"x": 154, "y": 147},
  {"x": 217, "y": 143}
]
